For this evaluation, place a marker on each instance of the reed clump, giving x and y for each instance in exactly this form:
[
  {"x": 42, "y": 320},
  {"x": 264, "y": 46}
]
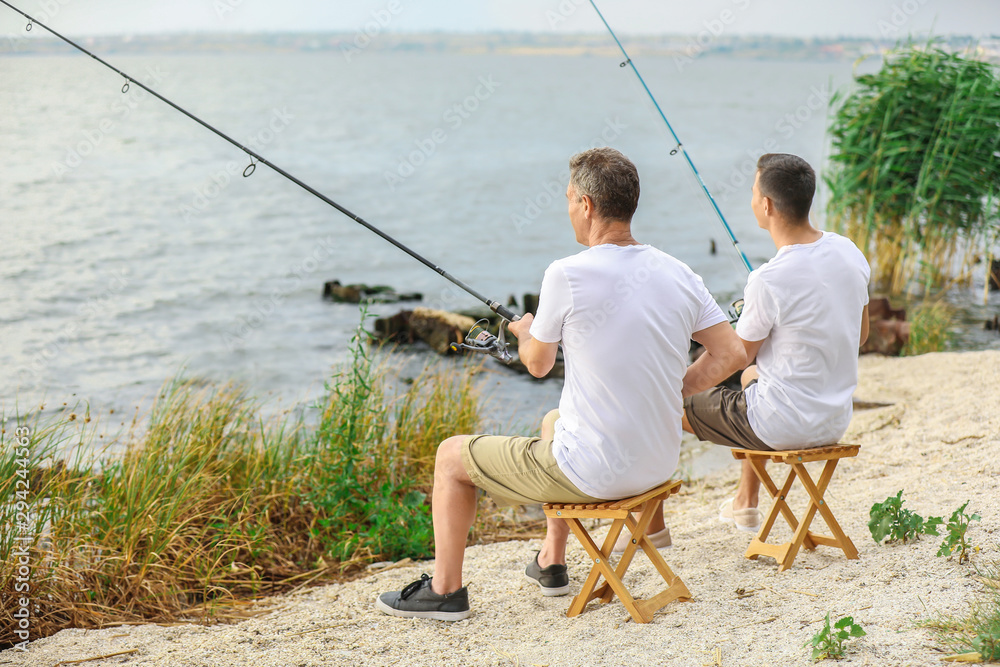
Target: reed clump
[
  {"x": 930, "y": 329},
  {"x": 915, "y": 172},
  {"x": 214, "y": 505}
]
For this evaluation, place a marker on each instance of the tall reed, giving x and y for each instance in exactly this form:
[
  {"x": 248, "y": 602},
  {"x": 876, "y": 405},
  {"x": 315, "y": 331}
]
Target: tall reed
[{"x": 915, "y": 166}]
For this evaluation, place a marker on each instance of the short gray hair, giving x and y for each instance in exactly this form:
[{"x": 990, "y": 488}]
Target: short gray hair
[{"x": 609, "y": 179}]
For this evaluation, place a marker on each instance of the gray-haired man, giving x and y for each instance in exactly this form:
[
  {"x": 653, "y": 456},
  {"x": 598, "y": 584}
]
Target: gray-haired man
[{"x": 624, "y": 313}]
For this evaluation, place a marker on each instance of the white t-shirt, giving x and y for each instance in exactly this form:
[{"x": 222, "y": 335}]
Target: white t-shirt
[
  {"x": 624, "y": 315},
  {"x": 807, "y": 302}
]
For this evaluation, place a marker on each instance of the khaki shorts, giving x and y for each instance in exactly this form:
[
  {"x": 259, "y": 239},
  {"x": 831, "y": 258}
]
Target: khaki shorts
[
  {"x": 518, "y": 471},
  {"x": 719, "y": 415}
]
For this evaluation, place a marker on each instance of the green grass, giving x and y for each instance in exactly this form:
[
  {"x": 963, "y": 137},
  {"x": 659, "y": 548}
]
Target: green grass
[
  {"x": 979, "y": 630},
  {"x": 213, "y": 504}
]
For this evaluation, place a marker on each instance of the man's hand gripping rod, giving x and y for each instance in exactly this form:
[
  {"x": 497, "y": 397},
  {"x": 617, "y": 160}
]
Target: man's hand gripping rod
[{"x": 479, "y": 339}]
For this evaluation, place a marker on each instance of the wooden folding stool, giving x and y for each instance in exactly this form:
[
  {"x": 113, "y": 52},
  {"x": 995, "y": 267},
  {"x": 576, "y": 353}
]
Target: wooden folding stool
[
  {"x": 785, "y": 553},
  {"x": 621, "y": 511}
]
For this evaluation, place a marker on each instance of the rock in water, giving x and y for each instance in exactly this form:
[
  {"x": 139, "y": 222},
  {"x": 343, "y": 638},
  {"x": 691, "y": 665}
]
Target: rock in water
[
  {"x": 395, "y": 329},
  {"x": 439, "y": 328},
  {"x": 888, "y": 329},
  {"x": 356, "y": 293}
]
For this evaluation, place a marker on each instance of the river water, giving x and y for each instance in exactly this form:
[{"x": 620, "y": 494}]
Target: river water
[{"x": 131, "y": 246}]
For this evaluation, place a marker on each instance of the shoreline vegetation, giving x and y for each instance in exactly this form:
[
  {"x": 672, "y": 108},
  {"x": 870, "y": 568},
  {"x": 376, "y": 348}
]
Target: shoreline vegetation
[
  {"x": 213, "y": 505},
  {"x": 183, "y": 532}
]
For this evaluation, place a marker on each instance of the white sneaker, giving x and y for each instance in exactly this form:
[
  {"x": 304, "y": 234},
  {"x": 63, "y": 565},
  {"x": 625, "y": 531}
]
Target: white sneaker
[
  {"x": 660, "y": 540},
  {"x": 747, "y": 520}
]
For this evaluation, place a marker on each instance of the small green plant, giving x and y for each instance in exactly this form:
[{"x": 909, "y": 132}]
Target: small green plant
[
  {"x": 890, "y": 522},
  {"x": 954, "y": 539},
  {"x": 830, "y": 642}
]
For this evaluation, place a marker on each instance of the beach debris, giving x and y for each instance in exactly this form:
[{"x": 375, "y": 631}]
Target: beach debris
[
  {"x": 358, "y": 292},
  {"x": 888, "y": 330},
  {"x": 389, "y": 565},
  {"x": 993, "y": 325},
  {"x": 973, "y": 657},
  {"x": 96, "y": 657}
]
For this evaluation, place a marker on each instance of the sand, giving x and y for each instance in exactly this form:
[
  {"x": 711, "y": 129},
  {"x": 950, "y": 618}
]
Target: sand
[{"x": 938, "y": 439}]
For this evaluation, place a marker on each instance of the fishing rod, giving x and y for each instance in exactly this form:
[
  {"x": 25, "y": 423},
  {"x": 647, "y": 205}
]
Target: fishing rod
[
  {"x": 680, "y": 146},
  {"x": 479, "y": 338}
]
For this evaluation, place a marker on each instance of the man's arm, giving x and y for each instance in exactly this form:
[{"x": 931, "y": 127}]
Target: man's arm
[
  {"x": 724, "y": 355},
  {"x": 752, "y": 347},
  {"x": 538, "y": 357},
  {"x": 864, "y": 325}
]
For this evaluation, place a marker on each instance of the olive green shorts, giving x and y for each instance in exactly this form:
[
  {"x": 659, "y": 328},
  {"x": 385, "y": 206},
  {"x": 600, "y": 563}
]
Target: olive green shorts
[
  {"x": 719, "y": 415},
  {"x": 518, "y": 471}
]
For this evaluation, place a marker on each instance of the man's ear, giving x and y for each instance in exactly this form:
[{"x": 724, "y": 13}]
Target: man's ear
[
  {"x": 588, "y": 205},
  {"x": 768, "y": 206}
]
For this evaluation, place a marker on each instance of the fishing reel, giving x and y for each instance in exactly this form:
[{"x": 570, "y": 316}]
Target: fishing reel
[
  {"x": 479, "y": 339},
  {"x": 735, "y": 310}
]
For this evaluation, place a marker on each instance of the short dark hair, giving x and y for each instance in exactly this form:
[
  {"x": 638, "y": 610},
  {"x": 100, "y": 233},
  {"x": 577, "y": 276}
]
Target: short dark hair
[
  {"x": 789, "y": 182},
  {"x": 609, "y": 179}
]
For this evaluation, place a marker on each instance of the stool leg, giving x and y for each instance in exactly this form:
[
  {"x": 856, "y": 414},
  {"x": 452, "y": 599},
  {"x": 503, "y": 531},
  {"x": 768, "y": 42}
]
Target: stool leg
[
  {"x": 637, "y": 529},
  {"x": 601, "y": 566},
  {"x": 816, "y": 494},
  {"x": 587, "y": 592}
]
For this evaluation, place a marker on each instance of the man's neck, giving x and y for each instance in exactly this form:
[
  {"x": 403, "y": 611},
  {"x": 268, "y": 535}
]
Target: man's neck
[
  {"x": 614, "y": 234},
  {"x": 784, "y": 234}
]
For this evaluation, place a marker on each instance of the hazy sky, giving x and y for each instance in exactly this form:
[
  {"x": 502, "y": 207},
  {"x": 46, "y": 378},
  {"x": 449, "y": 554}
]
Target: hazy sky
[{"x": 806, "y": 18}]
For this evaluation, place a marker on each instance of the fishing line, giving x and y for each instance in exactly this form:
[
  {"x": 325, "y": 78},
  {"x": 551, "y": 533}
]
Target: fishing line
[
  {"x": 480, "y": 342},
  {"x": 680, "y": 146}
]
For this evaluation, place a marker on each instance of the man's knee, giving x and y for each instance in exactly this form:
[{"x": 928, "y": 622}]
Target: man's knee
[
  {"x": 749, "y": 375},
  {"x": 549, "y": 424},
  {"x": 448, "y": 462},
  {"x": 685, "y": 424}
]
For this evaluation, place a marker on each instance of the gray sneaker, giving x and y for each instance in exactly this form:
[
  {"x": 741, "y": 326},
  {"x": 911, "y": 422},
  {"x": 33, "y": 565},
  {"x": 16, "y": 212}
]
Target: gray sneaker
[
  {"x": 418, "y": 600},
  {"x": 553, "y": 580}
]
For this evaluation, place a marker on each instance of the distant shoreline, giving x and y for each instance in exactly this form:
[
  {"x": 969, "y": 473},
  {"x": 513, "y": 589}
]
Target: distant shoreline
[{"x": 501, "y": 43}]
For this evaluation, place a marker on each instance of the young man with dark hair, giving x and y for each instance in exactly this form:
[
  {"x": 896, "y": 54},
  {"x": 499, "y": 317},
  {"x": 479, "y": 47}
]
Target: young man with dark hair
[
  {"x": 624, "y": 314},
  {"x": 805, "y": 315}
]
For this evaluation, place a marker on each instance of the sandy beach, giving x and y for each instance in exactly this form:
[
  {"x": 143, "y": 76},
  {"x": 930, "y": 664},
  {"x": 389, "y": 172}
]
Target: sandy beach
[{"x": 937, "y": 437}]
